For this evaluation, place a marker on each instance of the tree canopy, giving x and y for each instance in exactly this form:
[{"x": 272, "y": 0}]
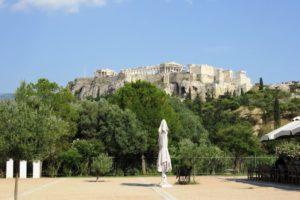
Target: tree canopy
[
  {"x": 150, "y": 106},
  {"x": 29, "y": 134}
]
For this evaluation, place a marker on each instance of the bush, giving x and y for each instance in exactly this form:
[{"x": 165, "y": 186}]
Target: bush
[
  {"x": 288, "y": 150},
  {"x": 101, "y": 165}
]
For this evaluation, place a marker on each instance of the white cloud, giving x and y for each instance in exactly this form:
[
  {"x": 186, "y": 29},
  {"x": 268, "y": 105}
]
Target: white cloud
[
  {"x": 1, "y": 3},
  {"x": 70, "y": 6}
]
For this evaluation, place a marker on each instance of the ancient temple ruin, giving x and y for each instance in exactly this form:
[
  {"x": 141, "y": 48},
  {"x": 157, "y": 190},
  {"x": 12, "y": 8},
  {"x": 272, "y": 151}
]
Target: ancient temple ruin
[
  {"x": 168, "y": 67},
  {"x": 172, "y": 77},
  {"x": 105, "y": 73}
]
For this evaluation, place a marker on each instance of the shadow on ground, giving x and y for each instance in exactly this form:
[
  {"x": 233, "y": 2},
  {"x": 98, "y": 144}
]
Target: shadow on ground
[
  {"x": 138, "y": 184},
  {"x": 281, "y": 186},
  {"x": 94, "y": 181}
]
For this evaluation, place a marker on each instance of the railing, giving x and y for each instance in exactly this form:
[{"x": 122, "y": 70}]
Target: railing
[
  {"x": 201, "y": 166},
  {"x": 228, "y": 165},
  {"x": 280, "y": 173}
]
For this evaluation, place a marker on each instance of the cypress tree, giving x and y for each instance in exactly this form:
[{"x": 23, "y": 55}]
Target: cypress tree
[
  {"x": 234, "y": 94},
  {"x": 261, "y": 84},
  {"x": 242, "y": 92},
  {"x": 198, "y": 106},
  {"x": 276, "y": 111}
]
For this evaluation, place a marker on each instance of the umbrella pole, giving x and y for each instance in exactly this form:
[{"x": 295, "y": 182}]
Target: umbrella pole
[{"x": 164, "y": 182}]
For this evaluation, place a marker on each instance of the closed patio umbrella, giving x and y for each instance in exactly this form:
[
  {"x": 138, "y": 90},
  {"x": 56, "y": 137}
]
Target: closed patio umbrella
[{"x": 164, "y": 161}]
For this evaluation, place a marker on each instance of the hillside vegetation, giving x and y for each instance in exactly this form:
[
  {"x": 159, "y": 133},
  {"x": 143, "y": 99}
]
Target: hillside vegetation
[{"x": 46, "y": 122}]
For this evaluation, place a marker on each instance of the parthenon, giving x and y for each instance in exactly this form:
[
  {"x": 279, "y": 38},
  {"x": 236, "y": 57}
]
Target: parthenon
[{"x": 168, "y": 67}]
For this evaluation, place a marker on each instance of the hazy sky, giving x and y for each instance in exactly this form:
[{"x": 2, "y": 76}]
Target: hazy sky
[{"x": 64, "y": 39}]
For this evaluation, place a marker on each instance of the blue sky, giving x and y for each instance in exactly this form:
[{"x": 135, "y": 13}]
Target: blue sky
[{"x": 64, "y": 39}]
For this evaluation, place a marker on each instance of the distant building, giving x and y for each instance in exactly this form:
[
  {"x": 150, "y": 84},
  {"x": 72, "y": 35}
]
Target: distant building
[
  {"x": 105, "y": 73},
  {"x": 168, "y": 67}
]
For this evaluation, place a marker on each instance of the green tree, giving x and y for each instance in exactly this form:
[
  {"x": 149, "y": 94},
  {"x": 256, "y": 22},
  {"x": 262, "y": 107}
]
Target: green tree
[
  {"x": 71, "y": 161},
  {"x": 212, "y": 158},
  {"x": 190, "y": 124},
  {"x": 188, "y": 155},
  {"x": 101, "y": 165},
  {"x": 57, "y": 98},
  {"x": 276, "y": 111},
  {"x": 188, "y": 99},
  {"x": 28, "y": 134},
  {"x": 88, "y": 149},
  {"x": 239, "y": 141},
  {"x": 118, "y": 129},
  {"x": 150, "y": 105},
  {"x": 60, "y": 101},
  {"x": 261, "y": 84},
  {"x": 198, "y": 104},
  {"x": 242, "y": 92}
]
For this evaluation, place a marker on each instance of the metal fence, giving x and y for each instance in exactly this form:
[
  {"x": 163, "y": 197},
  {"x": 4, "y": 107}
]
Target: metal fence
[
  {"x": 215, "y": 165},
  {"x": 229, "y": 165},
  {"x": 202, "y": 166}
]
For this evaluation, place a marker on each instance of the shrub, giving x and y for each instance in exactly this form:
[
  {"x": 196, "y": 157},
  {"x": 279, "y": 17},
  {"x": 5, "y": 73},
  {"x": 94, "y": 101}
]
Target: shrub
[
  {"x": 101, "y": 165},
  {"x": 289, "y": 150}
]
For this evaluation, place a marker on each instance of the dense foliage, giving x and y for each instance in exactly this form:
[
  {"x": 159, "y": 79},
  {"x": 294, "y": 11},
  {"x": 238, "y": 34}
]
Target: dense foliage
[{"x": 46, "y": 122}]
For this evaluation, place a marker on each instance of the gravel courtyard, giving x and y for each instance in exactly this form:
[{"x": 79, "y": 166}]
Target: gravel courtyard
[{"x": 144, "y": 188}]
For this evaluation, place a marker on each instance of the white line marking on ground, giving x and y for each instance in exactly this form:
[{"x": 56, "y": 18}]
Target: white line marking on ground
[
  {"x": 165, "y": 195},
  {"x": 28, "y": 192}
]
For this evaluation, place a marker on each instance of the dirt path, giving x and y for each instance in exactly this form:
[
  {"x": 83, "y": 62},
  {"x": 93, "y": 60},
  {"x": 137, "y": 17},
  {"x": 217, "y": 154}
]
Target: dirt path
[{"x": 144, "y": 188}]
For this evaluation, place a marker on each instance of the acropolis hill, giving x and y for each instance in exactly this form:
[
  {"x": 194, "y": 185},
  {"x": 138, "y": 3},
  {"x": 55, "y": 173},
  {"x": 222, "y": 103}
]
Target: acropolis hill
[{"x": 172, "y": 77}]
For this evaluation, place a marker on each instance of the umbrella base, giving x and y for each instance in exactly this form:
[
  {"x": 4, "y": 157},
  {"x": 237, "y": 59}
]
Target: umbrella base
[
  {"x": 165, "y": 185},
  {"x": 164, "y": 182}
]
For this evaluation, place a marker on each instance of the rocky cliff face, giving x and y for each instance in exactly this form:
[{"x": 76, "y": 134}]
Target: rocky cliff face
[{"x": 172, "y": 83}]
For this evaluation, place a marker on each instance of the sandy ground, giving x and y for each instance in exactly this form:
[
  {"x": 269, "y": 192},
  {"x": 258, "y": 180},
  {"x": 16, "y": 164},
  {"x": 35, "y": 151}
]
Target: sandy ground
[{"x": 144, "y": 188}]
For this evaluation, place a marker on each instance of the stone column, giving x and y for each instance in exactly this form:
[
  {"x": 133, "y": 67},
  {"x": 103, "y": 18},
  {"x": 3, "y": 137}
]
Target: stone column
[
  {"x": 23, "y": 169},
  {"x": 10, "y": 168},
  {"x": 37, "y": 169}
]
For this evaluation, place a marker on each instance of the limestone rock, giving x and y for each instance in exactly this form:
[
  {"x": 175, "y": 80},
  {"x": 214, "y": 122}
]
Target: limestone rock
[{"x": 170, "y": 77}]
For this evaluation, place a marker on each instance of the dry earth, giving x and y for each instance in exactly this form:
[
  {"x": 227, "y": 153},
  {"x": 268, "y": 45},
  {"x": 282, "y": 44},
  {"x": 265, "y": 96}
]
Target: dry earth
[{"x": 144, "y": 188}]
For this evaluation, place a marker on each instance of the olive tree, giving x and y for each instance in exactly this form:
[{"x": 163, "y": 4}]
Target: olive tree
[
  {"x": 101, "y": 165},
  {"x": 28, "y": 134}
]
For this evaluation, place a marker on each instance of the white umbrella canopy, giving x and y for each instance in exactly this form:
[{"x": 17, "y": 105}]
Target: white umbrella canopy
[
  {"x": 288, "y": 130},
  {"x": 164, "y": 161},
  {"x": 296, "y": 130}
]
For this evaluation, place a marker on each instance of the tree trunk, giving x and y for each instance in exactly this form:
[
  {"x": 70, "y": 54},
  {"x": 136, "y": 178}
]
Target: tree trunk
[
  {"x": 17, "y": 180},
  {"x": 143, "y": 165},
  {"x": 194, "y": 173},
  {"x": 236, "y": 165}
]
